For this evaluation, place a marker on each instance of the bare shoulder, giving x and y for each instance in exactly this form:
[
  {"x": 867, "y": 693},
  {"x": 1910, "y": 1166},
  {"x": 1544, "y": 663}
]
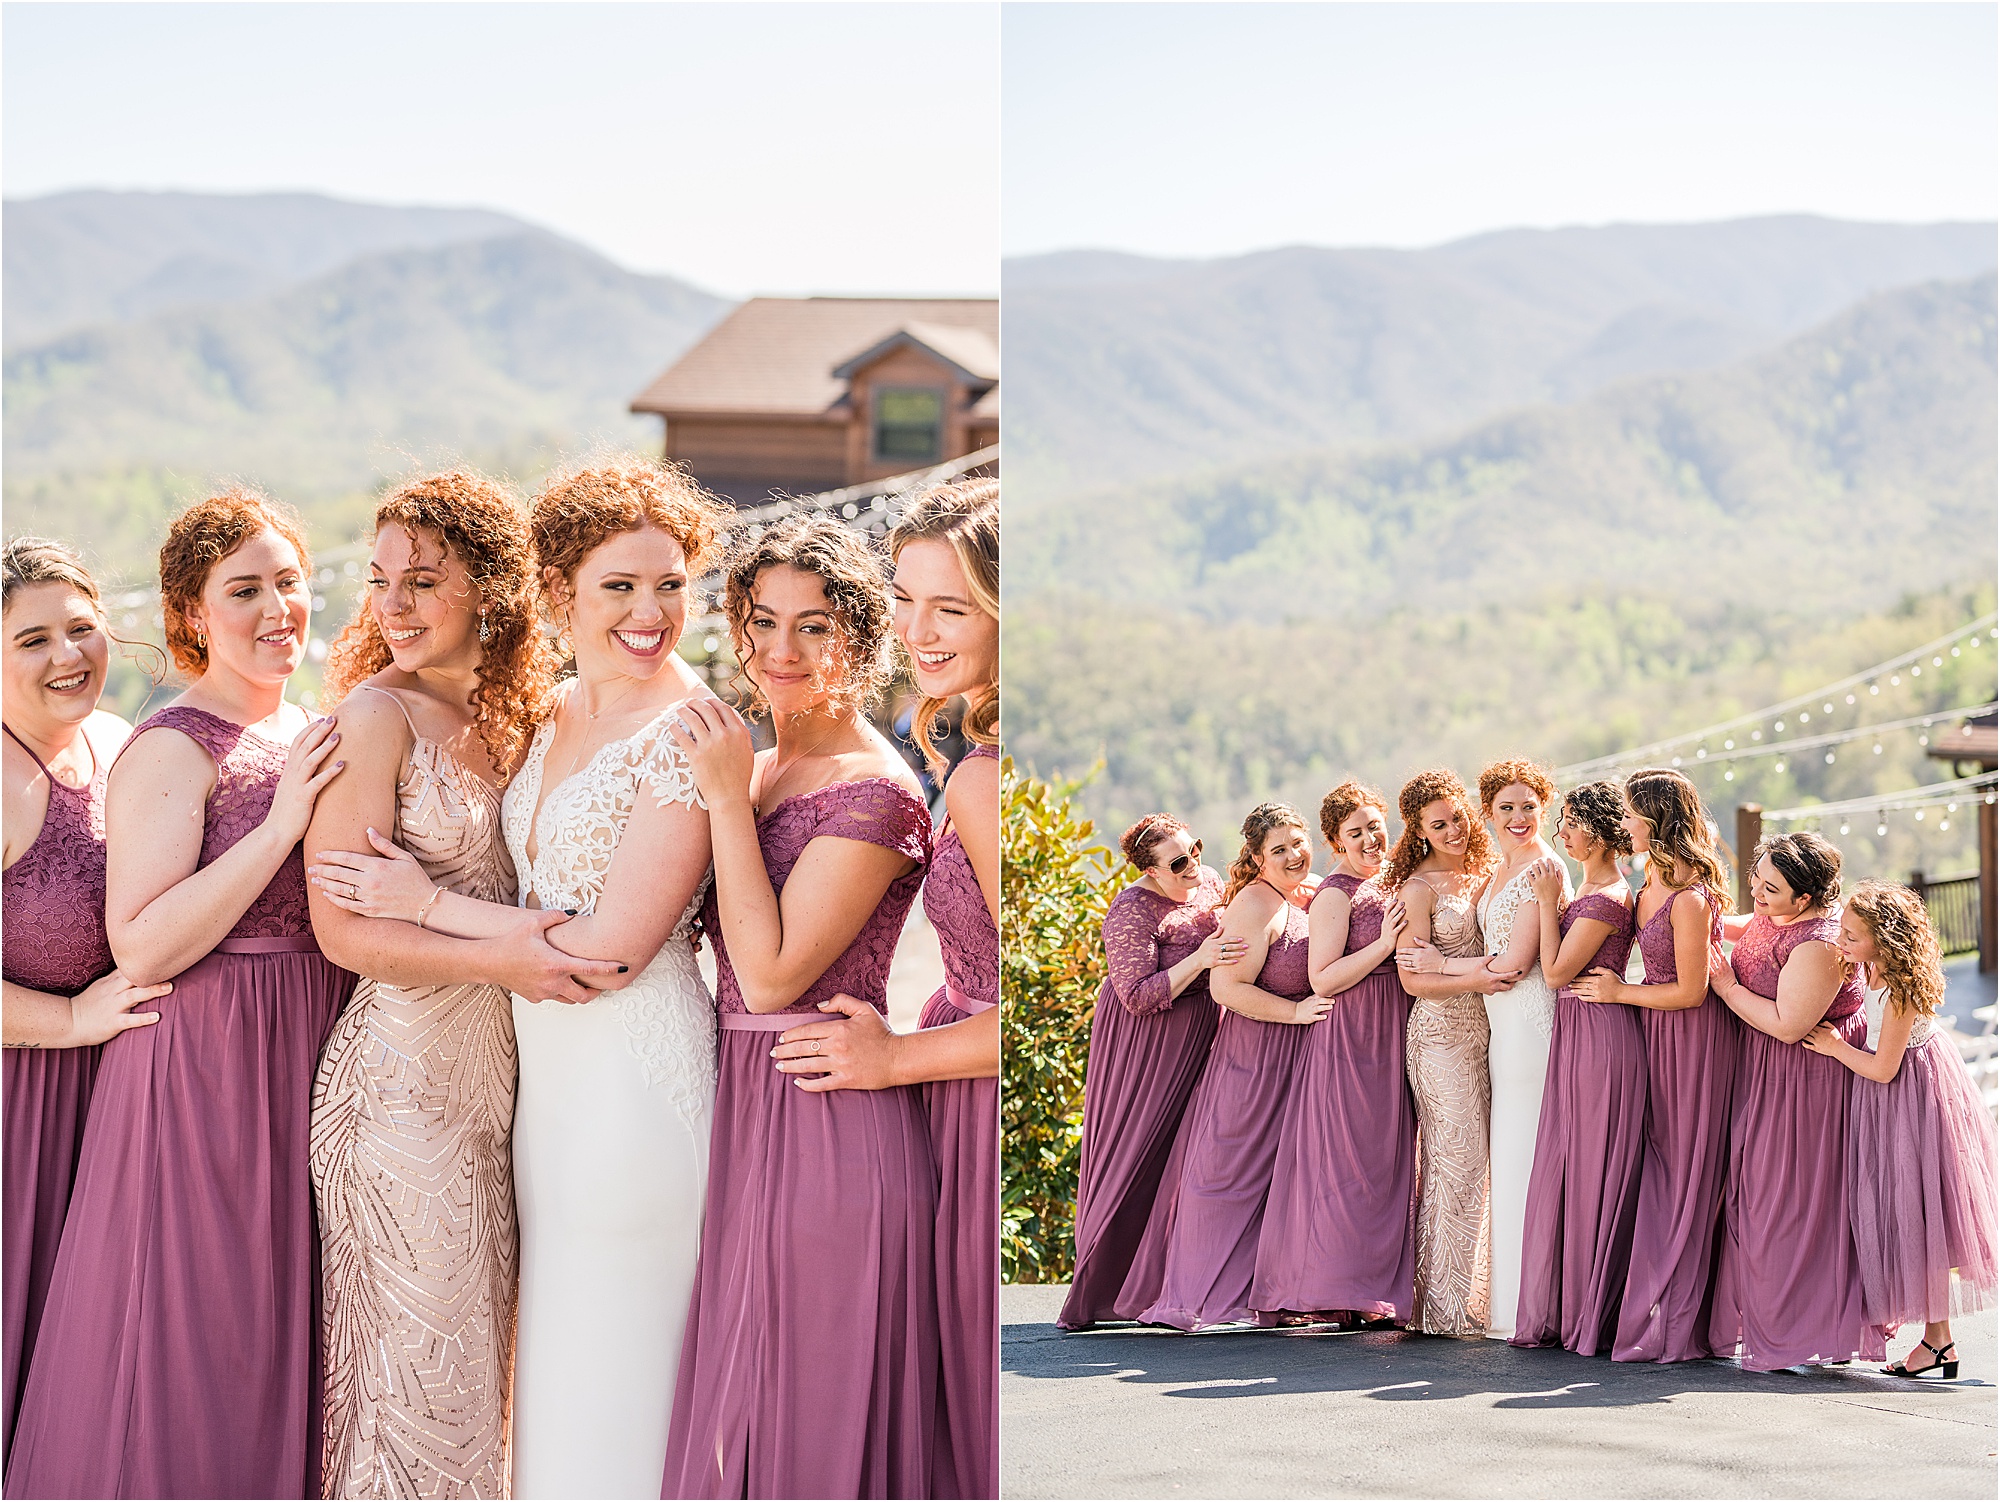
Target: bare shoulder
[
  {"x": 974, "y": 785},
  {"x": 1256, "y": 904},
  {"x": 161, "y": 761}
]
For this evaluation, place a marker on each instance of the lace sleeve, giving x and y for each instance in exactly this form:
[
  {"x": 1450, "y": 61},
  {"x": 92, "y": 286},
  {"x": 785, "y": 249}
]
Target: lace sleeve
[
  {"x": 1132, "y": 960},
  {"x": 879, "y": 812},
  {"x": 1604, "y": 909},
  {"x": 661, "y": 767}
]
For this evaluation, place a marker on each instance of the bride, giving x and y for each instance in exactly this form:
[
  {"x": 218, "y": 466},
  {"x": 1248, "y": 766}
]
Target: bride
[{"x": 611, "y": 1126}]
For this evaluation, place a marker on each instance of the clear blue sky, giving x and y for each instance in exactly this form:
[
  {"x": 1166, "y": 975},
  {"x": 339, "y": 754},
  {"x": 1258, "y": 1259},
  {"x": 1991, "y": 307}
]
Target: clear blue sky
[
  {"x": 1205, "y": 129},
  {"x": 747, "y": 147}
]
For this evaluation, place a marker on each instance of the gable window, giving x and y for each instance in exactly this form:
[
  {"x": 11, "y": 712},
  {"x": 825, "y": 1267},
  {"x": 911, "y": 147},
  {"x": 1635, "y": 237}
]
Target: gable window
[{"x": 909, "y": 423}]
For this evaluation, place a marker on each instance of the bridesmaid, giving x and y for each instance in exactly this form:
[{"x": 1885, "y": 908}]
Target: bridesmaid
[
  {"x": 1920, "y": 1145},
  {"x": 1149, "y": 1038},
  {"x": 437, "y": 679},
  {"x": 1337, "y": 1227},
  {"x": 1584, "y": 1190},
  {"x": 1787, "y": 1282},
  {"x": 63, "y": 998},
  {"x": 1194, "y": 1267},
  {"x": 179, "y": 1351},
  {"x": 1691, "y": 1045},
  {"x": 810, "y": 1364},
  {"x": 947, "y": 592},
  {"x": 1439, "y": 866}
]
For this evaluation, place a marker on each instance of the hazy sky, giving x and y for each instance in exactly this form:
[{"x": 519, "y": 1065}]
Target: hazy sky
[
  {"x": 1211, "y": 129},
  {"x": 747, "y": 147}
]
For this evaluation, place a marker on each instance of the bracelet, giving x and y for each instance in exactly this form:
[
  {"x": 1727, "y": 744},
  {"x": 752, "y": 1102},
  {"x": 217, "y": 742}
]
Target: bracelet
[{"x": 424, "y": 911}]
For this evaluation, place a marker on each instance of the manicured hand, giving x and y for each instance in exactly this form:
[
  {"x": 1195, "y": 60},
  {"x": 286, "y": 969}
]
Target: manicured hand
[
  {"x": 307, "y": 770},
  {"x": 528, "y": 965},
  {"x": 854, "y": 1049},
  {"x": 103, "y": 1009},
  {"x": 1313, "y": 1008},
  {"x": 1421, "y": 957},
  {"x": 1545, "y": 876},
  {"x": 1824, "y": 1039},
  {"x": 1221, "y": 949},
  {"x": 388, "y": 885},
  {"x": 1598, "y": 985},
  {"x": 718, "y": 747},
  {"x": 1395, "y": 917},
  {"x": 1721, "y": 974}
]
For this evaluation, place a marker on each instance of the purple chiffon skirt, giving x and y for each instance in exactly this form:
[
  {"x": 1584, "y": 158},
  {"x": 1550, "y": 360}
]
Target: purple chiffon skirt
[
  {"x": 1200, "y": 1249},
  {"x": 1583, "y": 1192},
  {"x": 1690, "y": 1074},
  {"x": 1920, "y": 1166},
  {"x": 965, "y": 1140},
  {"x": 47, "y": 1098},
  {"x": 810, "y": 1363},
  {"x": 1336, "y": 1232},
  {"x": 1141, "y": 1073},
  {"x": 1787, "y": 1282},
  {"x": 179, "y": 1349}
]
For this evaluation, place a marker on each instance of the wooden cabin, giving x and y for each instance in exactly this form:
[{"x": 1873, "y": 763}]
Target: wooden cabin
[{"x": 804, "y": 394}]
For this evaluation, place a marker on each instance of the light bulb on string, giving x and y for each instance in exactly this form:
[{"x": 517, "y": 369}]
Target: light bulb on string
[
  {"x": 1943, "y": 825},
  {"x": 1895, "y": 680},
  {"x": 1916, "y": 670},
  {"x": 1920, "y": 816},
  {"x": 1729, "y": 745},
  {"x": 1701, "y": 753},
  {"x": 1937, "y": 662},
  {"x": 1951, "y": 808},
  {"x": 1829, "y": 758},
  {"x": 1781, "y": 764},
  {"x": 1756, "y": 735},
  {"x": 1677, "y": 761},
  {"x": 1730, "y": 775},
  {"x": 1843, "y": 826},
  {"x": 1878, "y": 748},
  {"x": 1874, "y": 688},
  {"x": 1828, "y": 708},
  {"x": 1881, "y": 828},
  {"x": 1954, "y": 651}
]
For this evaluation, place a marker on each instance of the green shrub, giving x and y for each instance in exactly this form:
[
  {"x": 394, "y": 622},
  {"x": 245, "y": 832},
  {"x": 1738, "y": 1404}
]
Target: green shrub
[{"x": 1056, "y": 885}]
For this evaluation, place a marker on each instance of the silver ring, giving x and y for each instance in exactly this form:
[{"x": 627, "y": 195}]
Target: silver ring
[{"x": 816, "y": 1047}]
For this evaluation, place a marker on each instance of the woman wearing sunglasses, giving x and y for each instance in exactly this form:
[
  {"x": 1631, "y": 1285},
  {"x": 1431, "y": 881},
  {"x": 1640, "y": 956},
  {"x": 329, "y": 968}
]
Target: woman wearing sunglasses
[{"x": 1148, "y": 1040}]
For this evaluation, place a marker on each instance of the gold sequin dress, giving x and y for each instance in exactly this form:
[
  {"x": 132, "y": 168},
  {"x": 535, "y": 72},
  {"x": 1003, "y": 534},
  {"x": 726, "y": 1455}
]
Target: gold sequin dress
[
  {"x": 1445, "y": 1051},
  {"x": 412, "y": 1168}
]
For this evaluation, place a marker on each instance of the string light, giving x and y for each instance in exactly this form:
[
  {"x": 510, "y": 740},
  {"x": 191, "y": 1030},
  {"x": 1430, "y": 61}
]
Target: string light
[
  {"x": 1780, "y": 764},
  {"x": 1843, "y": 826},
  {"x": 1829, "y": 758}
]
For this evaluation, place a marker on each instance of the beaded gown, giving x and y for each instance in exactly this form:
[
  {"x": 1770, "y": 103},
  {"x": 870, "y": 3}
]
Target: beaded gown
[
  {"x": 1147, "y": 1049},
  {"x": 1337, "y": 1226},
  {"x": 1583, "y": 1194},
  {"x": 611, "y": 1143},
  {"x": 54, "y": 941},
  {"x": 414, "y": 1176},
  {"x": 810, "y": 1367},
  {"x": 1446, "y": 1056},
  {"x": 1200, "y": 1250},
  {"x": 190, "y": 1261},
  {"x": 965, "y": 1139},
  {"x": 1787, "y": 1282}
]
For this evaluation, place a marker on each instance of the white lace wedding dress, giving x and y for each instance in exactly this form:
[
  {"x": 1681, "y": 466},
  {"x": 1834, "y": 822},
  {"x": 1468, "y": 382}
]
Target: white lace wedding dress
[
  {"x": 1519, "y": 1022},
  {"x": 611, "y": 1127}
]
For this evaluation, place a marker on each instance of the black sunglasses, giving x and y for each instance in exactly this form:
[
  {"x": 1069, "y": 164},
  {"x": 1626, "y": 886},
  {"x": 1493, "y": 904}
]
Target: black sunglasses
[{"x": 1180, "y": 863}]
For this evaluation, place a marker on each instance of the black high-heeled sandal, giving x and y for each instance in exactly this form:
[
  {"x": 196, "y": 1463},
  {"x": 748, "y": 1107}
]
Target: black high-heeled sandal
[{"x": 1948, "y": 1368}]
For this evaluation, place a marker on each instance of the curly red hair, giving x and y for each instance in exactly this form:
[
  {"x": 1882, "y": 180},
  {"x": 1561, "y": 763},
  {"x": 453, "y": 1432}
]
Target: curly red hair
[
  {"x": 204, "y": 534},
  {"x": 1413, "y": 849},
  {"x": 577, "y": 509},
  {"x": 1504, "y": 774},
  {"x": 1335, "y": 807}
]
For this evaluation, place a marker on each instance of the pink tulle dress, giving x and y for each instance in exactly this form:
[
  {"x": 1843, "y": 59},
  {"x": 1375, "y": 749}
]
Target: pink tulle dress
[
  {"x": 179, "y": 1353},
  {"x": 965, "y": 1139},
  {"x": 54, "y": 941},
  {"x": 1921, "y": 1173},
  {"x": 809, "y": 1367},
  {"x": 1787, "y": 1281},
  {"x": 1147, "y": 1049},
  {"x": 1194, "y": 1267}
]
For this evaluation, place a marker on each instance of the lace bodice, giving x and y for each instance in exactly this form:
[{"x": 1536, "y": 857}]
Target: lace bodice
[
  {"x": 54, "y": 909},
  {"x": 669, "y": 1024},
  {"x": 1286, "y": 971},
  {"x": 247, "y": 769},
  {"x": 1760, "y": 956},
  {"x": 1497, "y": 911},
  {"x": 1145, "y": 936},
  {"x": 874, "y": 809},
  {"x": 1616, "y": 950},
  {"x": 1656, "y": 937},
  {"x": 1364, "y": 915},
  {"x": 957, "y": 910}
]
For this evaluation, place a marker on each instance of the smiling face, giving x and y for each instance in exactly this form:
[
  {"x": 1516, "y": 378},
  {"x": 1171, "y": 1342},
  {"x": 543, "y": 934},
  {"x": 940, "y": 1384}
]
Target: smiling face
[
  {"x": 1285, "y": 858},
  {"x": 1443, "y": 823},
  {"x": 1169, "y": 850},
  {"x": 255, "y": 606},
  {"x": 57, "y": 654},
  {"x": 1856, "y": 942},
  {"x": 1772, "y": 896},
  {"x": 1516, "y": 817},
  {"x": 954, "y": 646},
  {"x": 791, "y": 646},
  {"x": 424, "y": 602},
  {"x": 627, "y": 604},
  {"x": 1364, "y": 839},
  {"x": 1640, "y": 829}
]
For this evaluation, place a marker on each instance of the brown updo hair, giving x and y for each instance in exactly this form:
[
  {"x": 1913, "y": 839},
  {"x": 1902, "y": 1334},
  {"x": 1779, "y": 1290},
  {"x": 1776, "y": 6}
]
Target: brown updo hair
[
  {"x": 1145, "y": 837},
  {"x": 43, "y": 560},
  {"x": 1600, "y": 808},
  {"x": 1502, "y": 774},
  {"x": 1413, "y": 848},
  {"x": 482, "y": 526},
  {"x": 1342, "y": 801},
  {"x": 577, "y": 509},
  {"x": 1257, "y": 828},
  {"x": 201, "y": 537},
  {"x": 1808, "y": 862},
  {"x": 1679, "y": 829},
  {"x": 966, "y": 516},
  {"x": 1907, "y": 957},
  {"x": 857, "y": 594}
]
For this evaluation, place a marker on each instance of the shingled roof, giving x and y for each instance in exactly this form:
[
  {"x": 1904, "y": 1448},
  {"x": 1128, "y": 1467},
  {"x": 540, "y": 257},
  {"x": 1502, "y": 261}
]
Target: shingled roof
[{"x": 781, "y": 354}]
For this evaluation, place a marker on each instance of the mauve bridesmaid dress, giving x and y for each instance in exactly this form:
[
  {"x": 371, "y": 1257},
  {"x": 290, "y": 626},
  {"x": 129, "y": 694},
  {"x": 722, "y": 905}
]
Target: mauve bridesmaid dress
[
  {"x": 810, "y": 1363},
  {"x": 965, "y": 1139},
  {"x": 1147, "y": 1049},
  {"x": 54, "y": 941},
  {"x": 180, "y": 1347},
  {"x": 1787, "y": 1282}
]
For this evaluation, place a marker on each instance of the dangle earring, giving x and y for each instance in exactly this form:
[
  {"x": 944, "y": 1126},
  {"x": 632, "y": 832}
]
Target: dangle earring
[{"x": 485, "y": 631}]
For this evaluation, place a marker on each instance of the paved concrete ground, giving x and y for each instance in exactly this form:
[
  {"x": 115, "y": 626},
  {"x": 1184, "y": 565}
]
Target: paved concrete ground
[{"x": 1125, "y": 1412}]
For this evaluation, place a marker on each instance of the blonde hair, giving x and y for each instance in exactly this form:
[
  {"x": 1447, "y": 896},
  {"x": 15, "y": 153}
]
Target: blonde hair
[
  {"x": 965, "y": 516},
  {"x": 1257, "y": 828},
  {"x": 1906, "y": 946},
  {"x": 1679, "y": 830}
]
